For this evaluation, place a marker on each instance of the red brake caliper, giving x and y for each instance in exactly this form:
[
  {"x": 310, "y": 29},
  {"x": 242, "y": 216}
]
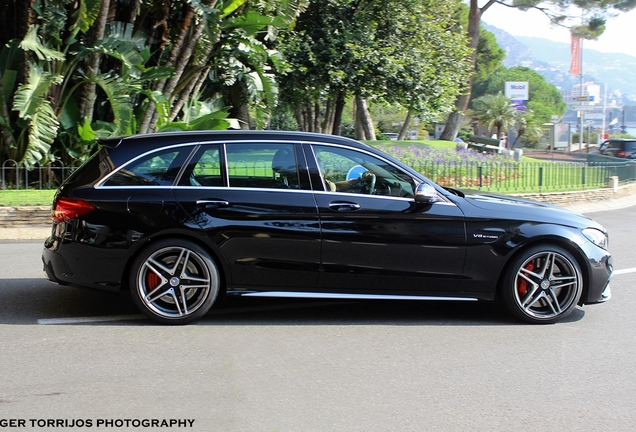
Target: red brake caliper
[
  {"x": 152, "y": 281},
  {"x": 522, "y": 284}
]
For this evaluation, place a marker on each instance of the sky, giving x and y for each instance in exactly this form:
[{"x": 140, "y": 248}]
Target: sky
[{"x": 619, "y": 35}]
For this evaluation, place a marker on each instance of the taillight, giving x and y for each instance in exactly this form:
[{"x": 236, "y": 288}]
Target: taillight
[
  {"x": 621, "y": 153},
  {"x": 69, "y": 208}
]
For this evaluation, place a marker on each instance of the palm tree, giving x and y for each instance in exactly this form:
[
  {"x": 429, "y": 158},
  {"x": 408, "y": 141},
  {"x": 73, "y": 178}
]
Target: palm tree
[
  {"x": 495, "y": 112},
  {"x": 529, "y": 127}
]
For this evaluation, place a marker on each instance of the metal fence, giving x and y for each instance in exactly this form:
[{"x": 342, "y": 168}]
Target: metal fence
[
  {"x": 528, "y": 177},
  {"x": 499, "y": 176},
  {"x": 49, "y": 176}
]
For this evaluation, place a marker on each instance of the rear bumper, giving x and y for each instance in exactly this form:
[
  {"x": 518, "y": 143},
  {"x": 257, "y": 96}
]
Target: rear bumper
[{"x": 74, "y": 264}]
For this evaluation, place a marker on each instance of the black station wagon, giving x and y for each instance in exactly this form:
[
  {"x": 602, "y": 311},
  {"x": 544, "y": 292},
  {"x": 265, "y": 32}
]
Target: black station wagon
[
  {"x": 180, "y": 219},
  {"x": 620, "y": 148}
]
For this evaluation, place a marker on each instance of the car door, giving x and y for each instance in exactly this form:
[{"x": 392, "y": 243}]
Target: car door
[
  {"x": 256, "y": 206},
  {"x": 375, "y": 238}
]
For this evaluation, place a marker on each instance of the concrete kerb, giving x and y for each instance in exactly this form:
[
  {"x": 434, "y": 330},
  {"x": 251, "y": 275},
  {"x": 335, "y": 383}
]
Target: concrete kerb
[{"x": 32, "y": 223}]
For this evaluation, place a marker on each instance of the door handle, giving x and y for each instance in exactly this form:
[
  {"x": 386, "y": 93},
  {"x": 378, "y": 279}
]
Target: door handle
[
  {"x": 212, "y": 204},
  {"x": 342, "y": 206}
]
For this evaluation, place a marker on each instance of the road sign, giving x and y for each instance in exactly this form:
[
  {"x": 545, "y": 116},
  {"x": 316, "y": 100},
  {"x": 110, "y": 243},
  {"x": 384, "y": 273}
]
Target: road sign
[
  {"x": 594, "y": 116},
  {"x": 584, "y": 98}
]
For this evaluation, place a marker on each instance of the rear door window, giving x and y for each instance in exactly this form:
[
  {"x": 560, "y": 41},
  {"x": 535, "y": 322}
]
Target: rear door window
[{"x": 262, "y": 165}]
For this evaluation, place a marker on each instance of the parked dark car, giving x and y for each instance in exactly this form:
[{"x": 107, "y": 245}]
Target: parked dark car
[
  {"x": 180, "y": 219},
  {"x": 618, "y": 147}
]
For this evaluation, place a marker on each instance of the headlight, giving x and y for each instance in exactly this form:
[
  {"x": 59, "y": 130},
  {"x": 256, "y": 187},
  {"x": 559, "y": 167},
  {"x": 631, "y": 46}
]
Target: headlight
[{"x": 599, "y": 238}]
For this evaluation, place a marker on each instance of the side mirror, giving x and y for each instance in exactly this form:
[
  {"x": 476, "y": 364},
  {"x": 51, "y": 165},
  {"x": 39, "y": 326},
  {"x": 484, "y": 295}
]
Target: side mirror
[{"x": 425, "y": 194}]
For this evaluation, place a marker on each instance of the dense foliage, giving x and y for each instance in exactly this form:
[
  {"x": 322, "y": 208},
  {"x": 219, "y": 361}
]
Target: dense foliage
[
  {"x": 386, "y": 51},
  {"x": 89, "y": 68}
]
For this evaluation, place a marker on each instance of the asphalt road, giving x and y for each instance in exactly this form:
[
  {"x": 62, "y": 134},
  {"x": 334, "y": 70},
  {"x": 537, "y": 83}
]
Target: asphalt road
[{"x": 74, "y": 356}]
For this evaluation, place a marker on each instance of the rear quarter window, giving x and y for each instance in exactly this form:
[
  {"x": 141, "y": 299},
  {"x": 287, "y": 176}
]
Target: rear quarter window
[
  {"x": 94, "y": 169},
  {"x": 155, "y": 169}
]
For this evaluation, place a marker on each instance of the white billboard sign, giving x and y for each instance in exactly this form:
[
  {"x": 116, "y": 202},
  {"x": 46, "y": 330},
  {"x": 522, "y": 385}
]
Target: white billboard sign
[{"x": 517, "y": 90}]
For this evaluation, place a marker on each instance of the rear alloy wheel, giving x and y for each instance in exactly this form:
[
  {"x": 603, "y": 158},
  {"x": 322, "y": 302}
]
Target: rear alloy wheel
[
  {"x": 174, "y": 282},
  {"x": 542, "y": 285}
]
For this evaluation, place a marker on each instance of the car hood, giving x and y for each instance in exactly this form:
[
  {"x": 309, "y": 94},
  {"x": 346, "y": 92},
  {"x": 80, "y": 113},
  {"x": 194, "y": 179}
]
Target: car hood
[{"x": 486, "y": 204}]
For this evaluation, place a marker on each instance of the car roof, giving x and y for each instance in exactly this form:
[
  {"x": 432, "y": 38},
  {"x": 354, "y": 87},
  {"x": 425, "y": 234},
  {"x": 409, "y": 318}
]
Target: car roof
[
  {"x": 622, "y": 139},
  {"x": 145, "y": 142}
]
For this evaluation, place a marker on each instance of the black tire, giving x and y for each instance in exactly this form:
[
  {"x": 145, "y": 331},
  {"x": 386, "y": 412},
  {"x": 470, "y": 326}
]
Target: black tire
[
  {"x": 174, "y": 281},
  {"x": 542, "y": 285}
]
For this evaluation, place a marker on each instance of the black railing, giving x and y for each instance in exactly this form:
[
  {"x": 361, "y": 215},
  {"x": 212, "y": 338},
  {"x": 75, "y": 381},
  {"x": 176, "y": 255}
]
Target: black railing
[
  {"x": 493, "y": 176},
  {"x": 49, "y": 176}
]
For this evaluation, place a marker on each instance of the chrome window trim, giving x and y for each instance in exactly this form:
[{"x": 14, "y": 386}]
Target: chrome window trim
[
  {"x": 101, "y": 183},
  {"x": 230, "y": 188},
  {"x": 223, "y": 143}
]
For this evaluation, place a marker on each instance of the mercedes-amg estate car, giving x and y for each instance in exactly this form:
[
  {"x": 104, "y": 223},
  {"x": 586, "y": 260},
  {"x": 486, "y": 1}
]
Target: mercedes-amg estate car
[{"x": 180, "y": 219}]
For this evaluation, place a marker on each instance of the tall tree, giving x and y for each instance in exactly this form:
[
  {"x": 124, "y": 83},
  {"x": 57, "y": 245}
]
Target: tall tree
[
  {"x": 591, "y": 26},
  {"x": 393, "y": 51}
]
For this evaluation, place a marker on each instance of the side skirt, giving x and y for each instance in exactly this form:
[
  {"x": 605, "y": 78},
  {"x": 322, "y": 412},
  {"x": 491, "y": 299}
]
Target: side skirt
[{"x": 293, "y": 294}]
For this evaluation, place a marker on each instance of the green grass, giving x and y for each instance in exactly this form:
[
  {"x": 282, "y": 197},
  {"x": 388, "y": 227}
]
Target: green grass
[
  {"x": 26, "y": 197},
  {"x": 438, "y": 161}
]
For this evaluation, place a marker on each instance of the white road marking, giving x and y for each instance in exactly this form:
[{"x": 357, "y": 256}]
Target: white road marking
[
  {"x": 82, "y": 320},
  {"x": 629, "y": 270}
]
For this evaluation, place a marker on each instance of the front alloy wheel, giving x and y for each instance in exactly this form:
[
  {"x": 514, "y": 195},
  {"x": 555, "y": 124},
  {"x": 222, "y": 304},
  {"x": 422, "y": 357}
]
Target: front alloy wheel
[
  {"x": 174, "y": 282},
  {"x": 542, "y": 285}
]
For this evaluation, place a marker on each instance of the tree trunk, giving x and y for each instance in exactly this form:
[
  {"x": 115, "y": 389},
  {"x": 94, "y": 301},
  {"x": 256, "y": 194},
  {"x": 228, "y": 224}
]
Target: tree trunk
[
  {"x": 184, "y": 95},
  {"x": 193, "y": 87},
  {"x": 327, "y": 124},
  {"x": 453, "y": 123},
  {"x": 405, "y": 126},
  {"x": 309, "y": 117},
  {"x": 134, "y": 11},
  {"x": 149, "y": 116},
  {"x": 364, "y": 118},
  {"x": 337, "y": 118},
  {"x": 298, "y": 113},
  {"x": 92, "y": 68},
  {"x": 317, "y": 117},
  {"x": 184, "y": 60},
  {"x": 238, "y": 98},
  {"x": 7, "y": 142},
  {"x": 461, "y": 103}
]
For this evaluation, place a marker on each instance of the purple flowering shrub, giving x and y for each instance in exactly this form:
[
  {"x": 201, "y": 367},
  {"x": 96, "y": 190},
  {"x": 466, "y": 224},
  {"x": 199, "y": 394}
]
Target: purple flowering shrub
[{"x": 456, "y": 168}]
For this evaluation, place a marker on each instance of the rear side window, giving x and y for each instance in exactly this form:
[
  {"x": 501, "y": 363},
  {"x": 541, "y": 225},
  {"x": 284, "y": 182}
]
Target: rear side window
[
  {"x": 262, "y": 166},
  {"x": 155, "y": 169},
  {"x": 91, "y": 171},
  {"x": 630, "y": 146}
]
